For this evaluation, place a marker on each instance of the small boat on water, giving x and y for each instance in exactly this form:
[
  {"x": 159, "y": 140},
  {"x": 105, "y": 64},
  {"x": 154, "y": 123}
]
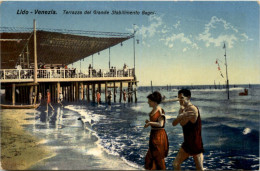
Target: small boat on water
[
  {"x": 245, "y": 93},
  {"x": 6, "y": 106}
]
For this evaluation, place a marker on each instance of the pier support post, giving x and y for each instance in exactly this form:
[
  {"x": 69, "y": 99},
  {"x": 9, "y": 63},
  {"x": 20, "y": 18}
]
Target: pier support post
[
  {"x": 77, "y": 91},
  {"x": 132, "y": 91},
  {"x": 71, "y": 92},
  {"x": 114, "y": 91},
  {"x": 99, "y": 88},
  {"x": 84, "y": 91},
  {"x": 121, "y": 87},
  {"x": 35, "y": 94},
  {"x": 31, "y": 95},
  {"x": 13, "y": 94},
  {"x": 129, "y": 93},
  {"x": 135, "y": 95},
  {"x": 106, "y": 92},
  {"x": 81, "y": 90},
  {"x": 58, "y": 91},
  {"x": 93, "y": 92},
  {"x": 66, "y": 93},
  {"x": 88, "y": 97}
]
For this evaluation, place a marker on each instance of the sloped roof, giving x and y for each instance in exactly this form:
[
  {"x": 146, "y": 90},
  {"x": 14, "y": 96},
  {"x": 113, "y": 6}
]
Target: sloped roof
[{"x": 53, "y": 47}]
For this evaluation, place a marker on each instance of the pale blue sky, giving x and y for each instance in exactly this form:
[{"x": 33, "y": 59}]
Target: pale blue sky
[{"x": 178, "y": 45}]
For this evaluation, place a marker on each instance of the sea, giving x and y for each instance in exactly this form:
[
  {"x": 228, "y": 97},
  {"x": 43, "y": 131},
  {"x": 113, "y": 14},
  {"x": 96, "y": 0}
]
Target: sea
[{"x": 96, "y": 137}]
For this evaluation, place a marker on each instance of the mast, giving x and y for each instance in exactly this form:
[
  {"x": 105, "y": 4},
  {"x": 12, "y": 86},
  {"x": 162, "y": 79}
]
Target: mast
[{"x": 227, "y": 86}]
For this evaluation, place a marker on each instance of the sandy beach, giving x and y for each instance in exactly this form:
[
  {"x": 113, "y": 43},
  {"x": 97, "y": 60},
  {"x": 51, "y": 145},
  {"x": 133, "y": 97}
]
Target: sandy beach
[{"x": 19, "y": 149}]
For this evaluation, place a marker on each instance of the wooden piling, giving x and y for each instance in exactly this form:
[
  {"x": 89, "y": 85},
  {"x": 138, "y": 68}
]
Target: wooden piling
[
  {"x": 31, "y": 94},
  {"x": 121, "y": 91},
  {"x": 88, "y": 95},
  {"x": 58, "y": 91},
  {"x": 93, "y": 92},
  {"x": 84, "y": 91},
  {"x": 72, "y": 92},
  {"x": 135, "y": 95},
  {"x": 129, "y": 94},
  {"x": 114, "y": 91},
  {"x": 35, "y": 94},
  {"x": 81, "y": 91},
  {"x": 106, "y": 92},
  {"x": 65, "y": 93},
  {"x": 69, "y": 93},
  {"x": 132, "y": 90},
  {"x": 13, "y": 94},
  {"x": 77, "y": 90}
]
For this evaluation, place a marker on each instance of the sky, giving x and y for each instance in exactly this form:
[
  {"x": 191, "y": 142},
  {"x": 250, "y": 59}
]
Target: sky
[{"x": 179, "y": 41}]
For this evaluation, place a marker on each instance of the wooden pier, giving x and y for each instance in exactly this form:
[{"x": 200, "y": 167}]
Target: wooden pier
[
  {"x": 24, "y": 91},
  {"x": 42, "y": 58}
]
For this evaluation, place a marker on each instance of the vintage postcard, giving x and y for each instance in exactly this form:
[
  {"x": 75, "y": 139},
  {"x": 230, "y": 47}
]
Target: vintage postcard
[{"x": 129, "y": 85}]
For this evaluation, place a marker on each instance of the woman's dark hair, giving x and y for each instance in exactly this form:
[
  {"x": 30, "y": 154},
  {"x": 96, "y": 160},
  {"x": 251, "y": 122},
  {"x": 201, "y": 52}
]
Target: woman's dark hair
[{"x": 155, "y": 97}]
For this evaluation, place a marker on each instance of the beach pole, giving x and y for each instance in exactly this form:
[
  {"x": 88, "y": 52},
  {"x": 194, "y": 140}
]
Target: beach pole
[
  {"x": 227, "y": 87},
  {"x": 152, "y": 86},
  {"x": 13, "y": 94}
]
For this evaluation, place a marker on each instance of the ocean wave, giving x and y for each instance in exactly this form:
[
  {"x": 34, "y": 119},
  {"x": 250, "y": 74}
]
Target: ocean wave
[
  {"x": 113, "y": 147},
  {"x": 132, "y": 164}
]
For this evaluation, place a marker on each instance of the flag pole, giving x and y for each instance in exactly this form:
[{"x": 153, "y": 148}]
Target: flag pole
[
  {"x": 226, "y": 71},
  {"x": 134, "y": 46}
]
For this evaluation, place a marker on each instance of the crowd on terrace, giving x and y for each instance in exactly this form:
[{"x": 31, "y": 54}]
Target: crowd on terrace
[{"x": 62, "y": 71}]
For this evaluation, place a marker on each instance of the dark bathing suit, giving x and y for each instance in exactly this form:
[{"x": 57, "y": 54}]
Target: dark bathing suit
[{"x": 193, "y": 144}]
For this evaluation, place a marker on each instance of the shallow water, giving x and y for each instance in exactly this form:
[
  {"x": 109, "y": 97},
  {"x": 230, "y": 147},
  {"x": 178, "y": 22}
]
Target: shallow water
[{"x": 114, "y": 138}]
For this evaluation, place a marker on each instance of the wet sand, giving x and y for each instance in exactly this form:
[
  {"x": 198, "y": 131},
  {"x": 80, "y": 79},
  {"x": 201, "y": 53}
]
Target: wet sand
[{"x": 19, "y": 149}]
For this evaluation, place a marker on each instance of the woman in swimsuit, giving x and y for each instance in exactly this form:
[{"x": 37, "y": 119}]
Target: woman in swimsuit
[{"x": 158, "y": 143}]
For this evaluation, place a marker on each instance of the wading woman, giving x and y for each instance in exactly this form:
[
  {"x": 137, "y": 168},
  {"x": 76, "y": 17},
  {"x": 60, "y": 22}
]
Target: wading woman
[{"x": 158, "y": 143}]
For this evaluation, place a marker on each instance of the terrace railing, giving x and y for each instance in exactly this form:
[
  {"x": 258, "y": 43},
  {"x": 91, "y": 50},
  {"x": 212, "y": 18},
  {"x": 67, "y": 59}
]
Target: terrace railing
[{"x": 23, "y": 74}]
